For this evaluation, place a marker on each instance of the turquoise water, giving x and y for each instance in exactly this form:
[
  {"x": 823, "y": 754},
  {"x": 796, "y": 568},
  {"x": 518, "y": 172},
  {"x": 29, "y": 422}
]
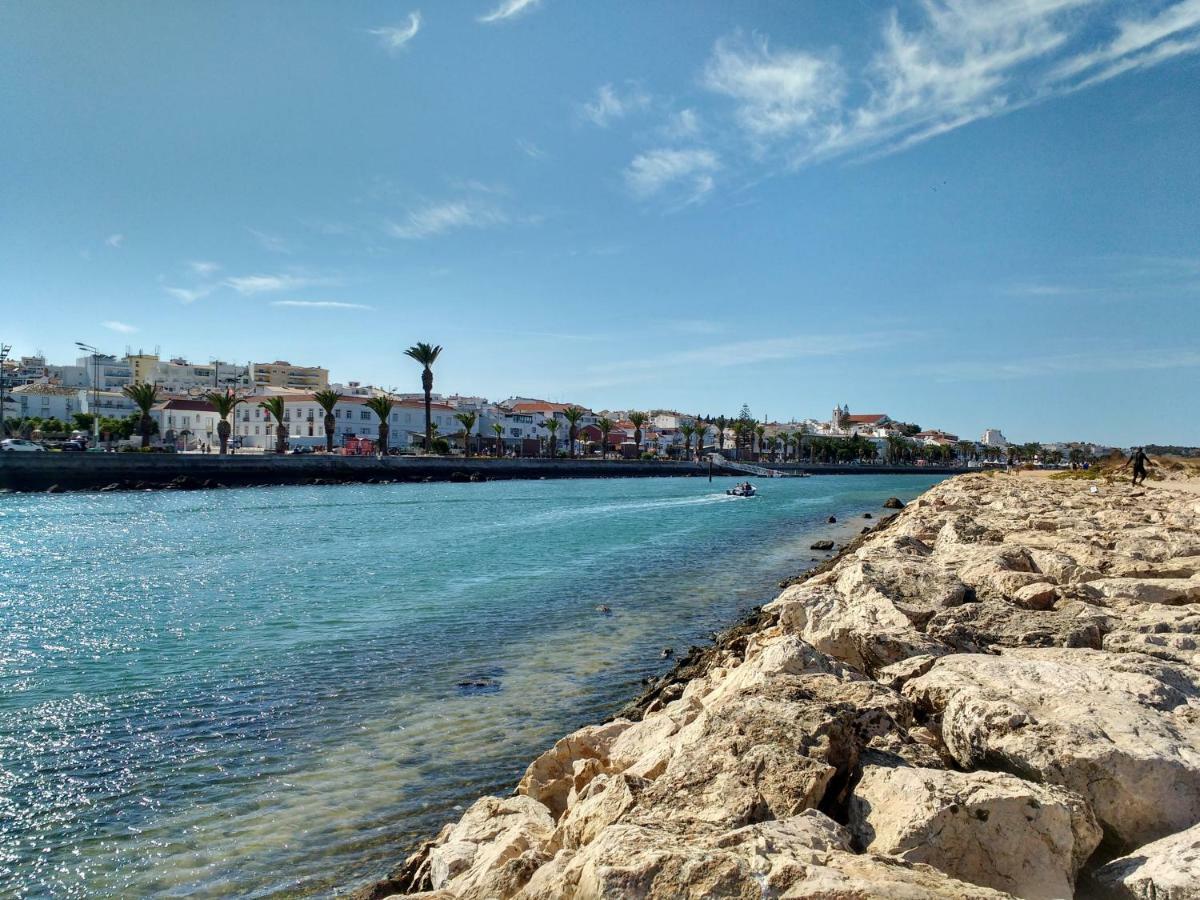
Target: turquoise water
[{"x": 256, "y": 692}]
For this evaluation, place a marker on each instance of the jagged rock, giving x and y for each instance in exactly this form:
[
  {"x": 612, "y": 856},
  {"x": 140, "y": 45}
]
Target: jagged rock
[
  {"x": 821, "y": 545},
  {"x": 980, "y": 627},
  {"x": 987, "y": 828},
  {"x": 1040, "y": 595},
  {"x": 1121, "y": 730},
  {"x": 1168, "y": 869},
  {"x": 55, "y": 489},
  {"x": 893, "y": 503},
  {"x": 1171, "y": 591},
  {"x": 489, "y": 836},
  {"x": 554, "y": 775},
  {"x": 831, "y": 519}
]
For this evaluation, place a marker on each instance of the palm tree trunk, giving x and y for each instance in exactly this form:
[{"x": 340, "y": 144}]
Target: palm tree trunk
[
  {"x": 280, "y": 438},
  {"x": 144, "y": 426},
  {"x": 427, "y": 386},
  {"x": 383, "y": 437},
  {"x": 223, "y": 429},
  {"x": 330, "y": 426}
]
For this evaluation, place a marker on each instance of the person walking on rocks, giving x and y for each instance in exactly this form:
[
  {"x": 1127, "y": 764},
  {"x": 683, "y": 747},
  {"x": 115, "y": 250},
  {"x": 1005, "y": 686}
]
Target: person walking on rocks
[{"x": 1139, "y": 459}]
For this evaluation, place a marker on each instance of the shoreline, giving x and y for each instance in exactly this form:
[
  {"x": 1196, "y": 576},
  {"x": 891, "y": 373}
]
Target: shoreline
[
  {"x": 55, "y": 473},
  {"x": 412, "y": 875},
  {"x": 990, "y": 694}
]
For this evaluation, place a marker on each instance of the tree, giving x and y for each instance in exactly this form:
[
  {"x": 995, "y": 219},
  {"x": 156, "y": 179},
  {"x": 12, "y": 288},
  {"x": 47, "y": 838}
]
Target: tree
[
  {"x": 224, "y": 403},
  {"x": 843, "y": 420},
  {"x": 426, "y": 355},
  {"x": 785, "y": 438},
  {"x": 551, "y": 426},
  {"x": 759, "y": 431},
  {"x": 274, "y": 407},
  {"x": 965, "y": 450},
  {"x": 721, "y": 424},
  {"x": 701, "y": 430},
  {"x": 381, "y": 405},
  {"x": 637, "y": 419},
  {"x": 144, "y": 396},
  {"x": 573, "y": 414},
  {"x": 53, "y": 425},
  {"x": 327, "y": 400},
  {"x": 606, "y": 426},
  {"x": 499, "y": 429},
  {"x": 467, "y": 420},
  {"x": 83, "y": 421},
  {"x": 687, "y": 430}
]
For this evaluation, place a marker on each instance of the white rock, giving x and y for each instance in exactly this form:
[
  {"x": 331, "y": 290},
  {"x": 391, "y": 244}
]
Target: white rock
[{"x": 1168, "y": 869}]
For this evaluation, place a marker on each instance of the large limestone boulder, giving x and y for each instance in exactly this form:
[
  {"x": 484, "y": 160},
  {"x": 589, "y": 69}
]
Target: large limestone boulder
[
  {"x": 988, "y": 828},
  {"x": 492, "y": 839},
  {"x": 567, "y": 765},
  {"x": 1168, "y": 869},
  {"x": 980, "y": 627},
  {"x": 1119, "y": 729},
  {"x": 1171, "y": 591}
]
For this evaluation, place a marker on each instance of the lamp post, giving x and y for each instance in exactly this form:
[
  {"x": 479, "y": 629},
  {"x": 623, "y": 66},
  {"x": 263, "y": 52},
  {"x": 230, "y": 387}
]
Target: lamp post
[
  {"x": 88, "y": 348},
  {"x": 5, "y": 349}
]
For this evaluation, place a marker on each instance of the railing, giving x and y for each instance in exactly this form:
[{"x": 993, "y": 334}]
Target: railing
[{"x": 719, "y": 460}]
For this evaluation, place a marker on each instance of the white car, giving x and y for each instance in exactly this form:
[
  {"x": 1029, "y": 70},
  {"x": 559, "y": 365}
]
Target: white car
[{"x": 17, "y": 445}]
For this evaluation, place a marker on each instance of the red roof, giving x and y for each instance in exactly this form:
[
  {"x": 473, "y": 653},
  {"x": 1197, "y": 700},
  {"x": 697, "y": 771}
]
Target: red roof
[
  {"x": 179, "y": 403},
  {"x": 542, "y": 406},
  {"x": 866, "y": 419}
]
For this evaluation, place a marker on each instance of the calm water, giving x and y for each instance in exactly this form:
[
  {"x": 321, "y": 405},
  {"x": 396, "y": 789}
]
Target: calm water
[{"x": 255, "y": 692}]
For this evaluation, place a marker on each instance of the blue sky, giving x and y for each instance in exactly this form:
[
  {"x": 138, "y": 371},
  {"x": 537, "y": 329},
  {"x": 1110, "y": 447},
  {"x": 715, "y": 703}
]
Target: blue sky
[{"x": 964, "y": 213}]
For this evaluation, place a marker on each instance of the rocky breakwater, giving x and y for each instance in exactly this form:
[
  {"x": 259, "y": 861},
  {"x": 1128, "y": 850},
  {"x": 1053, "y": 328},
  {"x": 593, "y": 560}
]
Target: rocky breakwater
[{"x": 997, "y": 694}]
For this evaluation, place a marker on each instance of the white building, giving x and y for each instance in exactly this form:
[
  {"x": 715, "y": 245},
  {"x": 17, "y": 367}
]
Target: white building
[
  {"x": 42, "y": 400},
  {"x": 992, "y": 437}
]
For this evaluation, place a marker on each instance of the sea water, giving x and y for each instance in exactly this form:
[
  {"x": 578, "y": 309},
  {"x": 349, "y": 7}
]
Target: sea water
[{"x": 276, "y": 691}]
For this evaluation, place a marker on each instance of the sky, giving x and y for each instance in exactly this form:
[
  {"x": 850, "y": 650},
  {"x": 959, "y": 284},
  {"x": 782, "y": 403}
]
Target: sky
[{"x": 961, "y": 213}]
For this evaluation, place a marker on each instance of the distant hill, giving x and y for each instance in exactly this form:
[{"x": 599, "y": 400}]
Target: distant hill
[{"x": 1164, "y": 450}]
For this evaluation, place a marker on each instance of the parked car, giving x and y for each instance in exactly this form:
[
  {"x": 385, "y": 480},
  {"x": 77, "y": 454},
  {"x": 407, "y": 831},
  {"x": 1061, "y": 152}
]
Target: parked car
[
  {"x": 18, "y": 445},
  {"x": 301, "y": 450},
  {"x": 73, "y": 446}
]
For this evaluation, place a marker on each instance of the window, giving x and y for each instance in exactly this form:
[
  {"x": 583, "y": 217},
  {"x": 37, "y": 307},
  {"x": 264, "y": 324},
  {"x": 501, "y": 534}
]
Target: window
[
  {"x": 365, "y": 415},
  {"x": 337, "y": 413},
  {"x": 256, "y": 429}
]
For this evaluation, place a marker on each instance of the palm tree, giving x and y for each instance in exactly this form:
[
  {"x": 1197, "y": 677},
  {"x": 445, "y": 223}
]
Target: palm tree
[
  {"x": 785, "y": 438},
  {"x": 468, "y": 420},
  {"x": 551, "y": 425},
  {"x": 573, "y": 414},
  {"x": 701, "y": 430},
  {"x": 426, "y": 355},
  {"x": 224, "y": 403},
  {"x": 637, "y": 419},
  {"x": 499, "y": 429},
  {"x": 721, "y": 424},
  {"x": 760, "y": 431},
  {"x": 274, "y": 407},
  {"x": 144, "y": 396},
  {"x": 687, "y": 429},
  {"x": 606, "y": 426},
  {"x": 327, "y": 400},
  {"x": 381, "y": 405}
]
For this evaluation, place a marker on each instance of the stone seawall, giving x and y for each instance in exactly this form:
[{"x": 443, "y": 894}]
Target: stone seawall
[
  {"x": 94, "y": 471},
  {"x": 996, "y": 694}
]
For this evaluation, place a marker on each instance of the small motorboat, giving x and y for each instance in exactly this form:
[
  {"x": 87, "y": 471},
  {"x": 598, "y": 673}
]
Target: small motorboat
[{"x": 746, "y": 489}]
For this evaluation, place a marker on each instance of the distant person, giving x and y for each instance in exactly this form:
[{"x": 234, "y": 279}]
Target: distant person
[{"x": 1138, "y": 459}]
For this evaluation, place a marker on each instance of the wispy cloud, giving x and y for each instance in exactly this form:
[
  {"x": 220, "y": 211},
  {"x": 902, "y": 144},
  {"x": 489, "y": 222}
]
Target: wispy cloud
[
  {"x": 685, "y": 123},
  {"x": 204, "y": 269},
  {"x": 611, "y": 103},
  {"x": 320, "y": 304},
  {"x": 272, "y": 243},
  {"x": 1094, "y": 362},
  {"x": 115, "y": 240},
  {"x": 509, "y": 8},
  {"x": 653, "y": 172},
  {"x": 189, "y": 295},
  {"x": 440, "y": 218},
  {"x": 394, "y": 37},
  {"x": 119, "y": 327},
  {"x": 951, "y": 63},
  {"x": 266, "y": 284},
  {"x": 530, "y": 149}
]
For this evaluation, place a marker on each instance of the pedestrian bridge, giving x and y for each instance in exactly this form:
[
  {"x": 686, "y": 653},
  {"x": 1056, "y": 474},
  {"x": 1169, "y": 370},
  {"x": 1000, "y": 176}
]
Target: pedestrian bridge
[{"x": 747, "y": 468}]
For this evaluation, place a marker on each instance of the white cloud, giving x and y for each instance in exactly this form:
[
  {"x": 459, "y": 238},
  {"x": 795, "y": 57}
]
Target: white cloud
[
  {"x": 509, "y": 8},
  {"x": 1097, "y": 361},
  {"x": 653, "y": 171},
  {"x": 684, "y": 124},
  {"x": 530, "y": 149},
  {"x": 189, "y": 295},
  {"x": 611, "y": 104},
  {"x": 115, "y": 240},
  {"x": 265, "y": 284},
  {"x": 119, "y": 327},
  {"x": 439, "y": 218},
  {"x": 320, "y": 304},
  {"x": 777, "y": 93},
  {"x": 945, "y": 65},
  {"x": 203, "y": 268},
  {"x": 394, "y": 37},
  {"x": 272, "y": 243}
]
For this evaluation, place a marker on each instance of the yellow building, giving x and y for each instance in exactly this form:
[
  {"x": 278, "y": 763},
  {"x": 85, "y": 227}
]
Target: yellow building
[
  {"x": 284, "y": 375},
  {"x": 144, "y": 366}
]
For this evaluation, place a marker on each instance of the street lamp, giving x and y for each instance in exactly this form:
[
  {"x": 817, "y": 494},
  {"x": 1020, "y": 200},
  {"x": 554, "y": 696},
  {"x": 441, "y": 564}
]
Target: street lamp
[
  {"x": 88, "y": 348},
  {"x": 5, "y": 349}
]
